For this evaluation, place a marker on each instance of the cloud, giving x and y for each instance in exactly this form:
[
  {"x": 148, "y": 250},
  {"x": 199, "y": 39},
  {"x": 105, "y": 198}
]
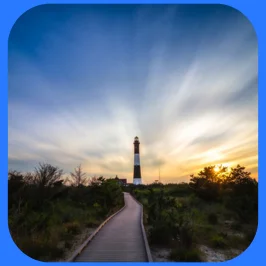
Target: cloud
[{"x": 91, "y": 86}]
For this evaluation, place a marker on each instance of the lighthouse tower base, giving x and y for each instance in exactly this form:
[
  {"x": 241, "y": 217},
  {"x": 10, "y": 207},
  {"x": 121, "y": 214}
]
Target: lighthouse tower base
[{"x": 137, "y": 181}]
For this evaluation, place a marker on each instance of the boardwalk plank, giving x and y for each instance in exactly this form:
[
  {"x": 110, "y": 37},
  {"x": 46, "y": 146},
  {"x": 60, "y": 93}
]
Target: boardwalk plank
[{"x": 120, "y": 240}]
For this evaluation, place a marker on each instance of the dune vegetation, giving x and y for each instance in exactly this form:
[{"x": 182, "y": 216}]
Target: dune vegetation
[
  {"x": 45, "y": 215},
  {"x": 216, "y": 210}
]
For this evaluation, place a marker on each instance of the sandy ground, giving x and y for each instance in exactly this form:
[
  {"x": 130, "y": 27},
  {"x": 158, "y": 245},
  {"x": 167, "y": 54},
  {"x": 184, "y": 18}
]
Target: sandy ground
[
  {"x": 160, "y": 254},
  {"x": 209, "y": 254},
  {"x": 218, "y": 255}
]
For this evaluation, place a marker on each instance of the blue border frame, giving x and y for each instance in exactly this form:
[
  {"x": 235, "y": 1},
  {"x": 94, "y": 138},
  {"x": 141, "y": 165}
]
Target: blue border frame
[{"x": 9, "y": 13}]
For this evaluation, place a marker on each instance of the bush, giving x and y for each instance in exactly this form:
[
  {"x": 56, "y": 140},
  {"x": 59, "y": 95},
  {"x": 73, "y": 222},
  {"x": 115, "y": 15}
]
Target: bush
[
  {"x": 186, "y": 237},
  {"x": 40, "y": 248},
  {"x": 68, "y": 244},
  {"x": 236, "y": 226},
  {"x": 212, "y": 218},
  {"x": 72, "y": 227},
  {"x": 250, "y": 235},
  {"x": 218, "y": 241},
  {"x": 92, "y": 222},
  {"x": 236, "y": 241},
  {"x": 51, "y": 251},
  {"x": 185, "y": 255},
  {"x": 160, "y": 234}
]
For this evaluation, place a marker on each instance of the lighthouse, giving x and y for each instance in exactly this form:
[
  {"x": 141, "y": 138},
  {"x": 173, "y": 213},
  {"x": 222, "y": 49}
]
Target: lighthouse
[{"x": 137, "y": 173}]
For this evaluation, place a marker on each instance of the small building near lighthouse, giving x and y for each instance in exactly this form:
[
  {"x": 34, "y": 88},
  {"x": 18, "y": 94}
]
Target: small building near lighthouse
[
  {"x": 121, "y": 181},
  {"x": 137, "y": 170}
]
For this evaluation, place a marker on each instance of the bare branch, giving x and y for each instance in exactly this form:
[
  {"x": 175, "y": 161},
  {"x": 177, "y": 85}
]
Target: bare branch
[{"x": 78, "y": 177}]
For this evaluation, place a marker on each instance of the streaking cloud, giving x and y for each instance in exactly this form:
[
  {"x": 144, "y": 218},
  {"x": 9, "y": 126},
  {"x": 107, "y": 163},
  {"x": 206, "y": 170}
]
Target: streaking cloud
[{"x": 84, "y": 81}]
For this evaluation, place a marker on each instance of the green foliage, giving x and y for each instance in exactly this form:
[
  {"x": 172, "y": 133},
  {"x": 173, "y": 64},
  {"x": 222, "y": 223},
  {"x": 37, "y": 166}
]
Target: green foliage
[
  {"x": 236, "y": 226},
  {"x": 213, "y": 218},
  {"x": 39, "y": 248},
  {"x": 185, "y": 255},
  {"x": 250, "y": 234},
  {"x": 72, "y": 227},
  {"x": 160, "y": 234},
  {"x": 43, "y": 212},
  {"x": 218, "y": 241},
  {"x": 237, "y": 241},
  {"x": 215, "y": 204}
]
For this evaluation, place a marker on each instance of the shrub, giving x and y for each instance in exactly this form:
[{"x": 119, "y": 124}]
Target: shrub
[
  {"x": 250, "y": 235},
  {"x": 68, "y": 244},
  {"x": 186, "y": 237},
  {"x": 236, "y": 226},
  {"x": 213, "y": 218},
  {"x": 72, "y": 227},
  {"x": 40, "y": 248},
  {"x": 92, "y": 222},
  {"x": 67, "y": 236},
  {"x": 160, "y": 234},
  {"x": 236, "y": 241},
  {"x": 51, "y": 251},
  {"x": 184, "y": 254},
  {"x": 218, "y": 241}
]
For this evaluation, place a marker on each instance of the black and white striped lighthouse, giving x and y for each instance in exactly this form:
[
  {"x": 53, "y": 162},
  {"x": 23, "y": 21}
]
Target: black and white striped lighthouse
[{"x": 137, "y": 173}]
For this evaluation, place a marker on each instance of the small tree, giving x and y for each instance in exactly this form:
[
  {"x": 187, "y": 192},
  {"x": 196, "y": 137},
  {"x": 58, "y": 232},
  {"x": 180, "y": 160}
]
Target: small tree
[
  {"x": 96, "y": 181},
  {"x": 207, "y": 183},
  {"x": 78, "y": 177},
  {"x": 14, "y": 175},
  {"x": 46, "y": 175},
  {"x": 241, "y": 182},
  {"x": 15, "y": 188},
  {"x": 29, "y": 178}
]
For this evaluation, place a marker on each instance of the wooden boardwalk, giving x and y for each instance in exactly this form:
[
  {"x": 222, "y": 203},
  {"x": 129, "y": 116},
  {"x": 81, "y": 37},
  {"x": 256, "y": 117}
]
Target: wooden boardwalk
[{"x": 121, "y": 239}]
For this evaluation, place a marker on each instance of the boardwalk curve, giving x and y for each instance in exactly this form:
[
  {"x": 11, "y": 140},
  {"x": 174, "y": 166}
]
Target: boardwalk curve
[{"x": 120, "y": 239}]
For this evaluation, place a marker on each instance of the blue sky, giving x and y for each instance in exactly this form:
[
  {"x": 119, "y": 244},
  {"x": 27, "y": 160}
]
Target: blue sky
[{"x": 85, "y": 80}]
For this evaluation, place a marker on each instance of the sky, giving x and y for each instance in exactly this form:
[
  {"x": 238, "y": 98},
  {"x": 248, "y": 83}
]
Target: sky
[{"x": 85, "y": 80}]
